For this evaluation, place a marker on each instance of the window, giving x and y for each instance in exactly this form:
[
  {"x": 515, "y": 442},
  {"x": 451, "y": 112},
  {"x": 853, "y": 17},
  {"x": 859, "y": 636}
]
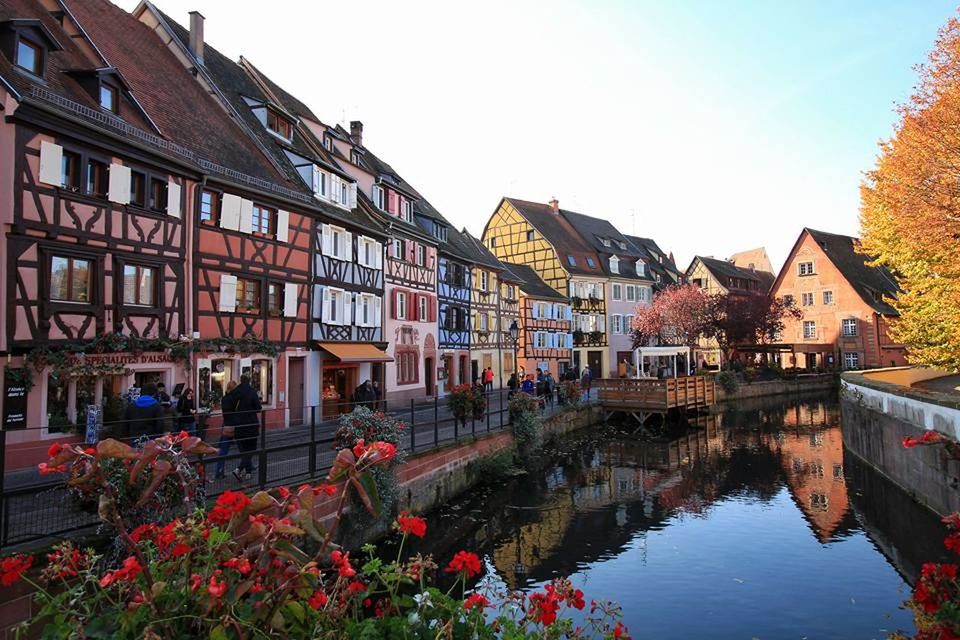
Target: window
[
  {"x": 379, "y": 198},
  {"x": 96, "y": 178},
  {"x": 367, "y": 253},
  {"x": 406, "y": 210},
  {"x": 69, "y": 279},
  {"x": 530, "y": 236},
  {"x": 616, "y": 324},
  {"x": 248, "y": 296},
  {"x": 828, "y": 297},
  {"x": 108, "y": 97},
  {"x": 261, "y": 379},
  {"x": 591, "y": 263},
  {"x": 263, "y": 218},
  {"x": 851, "y": 360},
  {"x": 614, "y": 264},
  {"x": 275, "y": 299},
  {"x": 335, "y": 311},
  {"x": 279, "y": 125},
  {"x": 510, "y": 292},
  {"x": 849, "y": 327},
  {"x": 641, "y": 268},
  {"x": 327, "y": 142},
  {"x": 408, "y": 365},
  {"x": 484, "y": 322},
  {"x": 139, "y": 285},
  {"x": 29, "y": 57},
  {"x": 365, "y": 311},
  {"x": 484, "y": 280},
  {"x": 788, "y": 300},
  {"x": 540, "y": 340},
  {"x": 819, "y": 502},
  {"x": 617, "y": 293},
  {"x": 493, "y": 243},
  {"x": 805, "y": 268},
  {"x": 208, "y": 206},
  {"x": 399, "y": 248},
  {"x": 570, "y": 259},
  {"x": 605, "y": 242},
  {"x": 158, "y": 194},
  {"x": 627, "y": 323},
  {"x": 401, "y": 306},
  {"x": 806, "y": 299},
  {"x": 343, "y": 193},
  {"x": 422, "y": 308},
  {"x": 421, "y": 255},
  {"x": 138, "y": 189},
  {"x": 809, "y": 329},
  {"x": 643, "y": 294},
  {"x": 70, "y": 171},
  {"x": 631, "y": 293}
]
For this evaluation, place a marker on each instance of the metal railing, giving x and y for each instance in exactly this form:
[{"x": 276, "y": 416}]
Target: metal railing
[{"x": 36, "y": 510}]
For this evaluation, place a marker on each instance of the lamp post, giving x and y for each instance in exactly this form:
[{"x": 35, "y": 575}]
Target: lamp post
[{"x": 515, "y": 336}]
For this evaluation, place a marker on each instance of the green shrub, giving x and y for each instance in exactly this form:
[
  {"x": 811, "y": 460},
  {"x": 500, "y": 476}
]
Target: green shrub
[{"x": 728, "y": 381}]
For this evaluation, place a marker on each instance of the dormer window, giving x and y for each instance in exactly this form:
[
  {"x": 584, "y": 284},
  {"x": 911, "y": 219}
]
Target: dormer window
[
  {"x": 327, "y": 142},
  {"x": 109, "y": 97},
  {"x": 279, "y": 125},
  {"x": 379, "y": 197},
  {"x": 605, "y": 242},
  {"x": 622, "y": 245},
  {"x": 355, "y": 158},
  {"x": 406, "y": 210},
  {"x": 591, "y": 263},
  {"x": 641, "y": 268},
  {"x": 29, "y": 57},
  {"x": 572, "y": 261},
  {"x": 614, "y": 264}
]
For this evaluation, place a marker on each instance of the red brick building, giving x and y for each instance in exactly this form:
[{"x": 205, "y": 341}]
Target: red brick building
[{"x": 845, "y": 304}]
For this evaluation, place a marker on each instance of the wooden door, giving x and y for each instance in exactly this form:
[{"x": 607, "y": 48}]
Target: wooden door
[{"x": 295, "y": 390}]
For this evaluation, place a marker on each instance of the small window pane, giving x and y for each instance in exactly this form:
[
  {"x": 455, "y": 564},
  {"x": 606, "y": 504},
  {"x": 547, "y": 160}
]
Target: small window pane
[
  {"x": 29, "y": 57},
  {"x": 108, "y": 97},
  {"x": 138, "y": 189},
  {"x": 70, "y": 171},
  {"x": 158, "y": 194},
  {"x": 96, "y": 178}
]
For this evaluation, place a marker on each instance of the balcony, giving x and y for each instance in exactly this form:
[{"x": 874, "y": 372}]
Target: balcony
[
  {"x": 586, "y": 304},
  {"x": 589, "y": 339}
]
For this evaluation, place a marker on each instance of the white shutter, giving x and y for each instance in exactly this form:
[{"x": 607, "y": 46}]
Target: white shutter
[
  {"x": 361, "y": 252},
  {"x": 377, "y": 312},
  {"x": 51, "y": 161},
  {"x": 173, "y": 199},
  {"x": 315, "y": 184},
  {"x": 246, "y": 216},
  {"x": 290, "y": 301},
  {"x": 569, "y": 314},
  {"x": 378, "y": 253},
  {"x": 569, "y": 341},
  {"x": 326, "y": 240},
  {"x": 283, "y": 224},
  {"x": 353, "y": 195},
  {"x": 347, "y": 246},
  {"x": 118, "y": 189},
  {"x": 346, "y": 303},
  {"x": 536, "y": 310},
  {"x": 334, "y": 193},
  {"x": 230, "y": 211},
  {"x": 325, "y": 306},
  {"x": 228, "y": 293}
]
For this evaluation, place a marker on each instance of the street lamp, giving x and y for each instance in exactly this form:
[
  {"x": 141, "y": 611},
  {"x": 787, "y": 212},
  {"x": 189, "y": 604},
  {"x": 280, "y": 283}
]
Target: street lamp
[{"x": 515, "y": 336}]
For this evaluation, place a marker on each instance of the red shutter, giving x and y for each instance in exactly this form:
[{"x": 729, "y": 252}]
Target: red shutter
[
  {"x": 412, "y": 306},
  {"x": 432, "y": 305},
  {"x": 393, "y": 205},
  {"x": 411, "y": 252},
  {"x": 394, "y": 304}
]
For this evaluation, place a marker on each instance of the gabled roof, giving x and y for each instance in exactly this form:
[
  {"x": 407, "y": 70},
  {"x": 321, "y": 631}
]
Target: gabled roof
[
  {"x": 561, "y": 234},
  {"x": 870, "y": 283},
  {"x": 476, "y": 252},
  {"x": 532, "y": 284},
  {"x": 288, "y": 100},
  {"x": 669, "y": 274},
  {"x": 725, "y": 271},
  {"x": 753, "y": 259},
  {"x": 599, "y": 233}
]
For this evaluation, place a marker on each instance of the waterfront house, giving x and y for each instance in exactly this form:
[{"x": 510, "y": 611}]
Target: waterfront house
[
  {"x": 339, "y": 248},
  {"x": 485, "y": 321},
  {"x": 720, "y": 277},
  {"x": 537, "y": 235},
  {"x": 663, "y": 269},
  {"x": 629, "y": 284},
  {"x": 546, "y": 338},
  {"x": 845, "y": 304}
]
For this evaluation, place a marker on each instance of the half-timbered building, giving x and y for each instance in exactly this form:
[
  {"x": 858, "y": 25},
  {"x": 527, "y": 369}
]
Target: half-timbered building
[
  {"x": 508, "y": 313},
  {"x": 332, "y": 244},
  {"x": 538, "y": 236},
  {"x": 485, "y": 320},
  {"x": 629, "y": 284},
  {"x": 454, "y": 278},
  {"x": 546, "y": 338}
]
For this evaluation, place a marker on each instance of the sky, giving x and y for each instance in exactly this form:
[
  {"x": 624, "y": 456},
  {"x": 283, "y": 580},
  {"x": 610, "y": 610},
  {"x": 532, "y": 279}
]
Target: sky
[{"x": 711, "y": 126}]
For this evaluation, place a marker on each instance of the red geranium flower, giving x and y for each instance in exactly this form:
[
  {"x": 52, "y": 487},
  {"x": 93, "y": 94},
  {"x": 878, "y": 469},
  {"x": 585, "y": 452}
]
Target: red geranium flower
[
  {"x": 12, "y": 568},
  {"x": 475, "y": 601},
  {"x": 54, "y": 450},
  {"x": 544, "y": 607},
  {"x": 229, "y": 503},
  {"x": 464, "y": 562},
  {"x": 408, "y": 525},
  {"x": 341, "y": 561},
  {"x": 217, "y": 589},
  {"x": 318, "y": 599}
]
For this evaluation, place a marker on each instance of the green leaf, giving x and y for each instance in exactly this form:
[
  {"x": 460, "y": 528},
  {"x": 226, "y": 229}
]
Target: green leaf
[
  {"x": 218, "y": 633},
  {"x": 372, "y": 566},
  {"x": 277, "y": 622},
  {"x": 295, "y": 609}
]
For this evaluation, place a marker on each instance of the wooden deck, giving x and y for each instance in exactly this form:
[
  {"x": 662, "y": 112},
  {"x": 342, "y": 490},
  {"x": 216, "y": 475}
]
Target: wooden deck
[{"x": 655, "y": 396}]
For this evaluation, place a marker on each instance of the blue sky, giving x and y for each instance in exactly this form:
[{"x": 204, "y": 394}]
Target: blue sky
[{"x": 712, "y": 126}]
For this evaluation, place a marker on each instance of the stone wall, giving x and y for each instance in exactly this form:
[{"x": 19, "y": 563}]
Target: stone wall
[
  {"x": 878, "y": 415},
  {"x": 800, "y": 384}
]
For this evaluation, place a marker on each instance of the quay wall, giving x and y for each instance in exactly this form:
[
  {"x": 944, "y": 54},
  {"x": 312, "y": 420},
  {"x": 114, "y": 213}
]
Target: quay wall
[
  {"x": 792, "y": 386},
  {"x": 878, "y": 414}
]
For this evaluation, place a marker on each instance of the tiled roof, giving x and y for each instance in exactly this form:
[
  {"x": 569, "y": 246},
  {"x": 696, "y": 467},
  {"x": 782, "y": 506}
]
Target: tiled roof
[
  {"x": 476, "y": 252},
  {"x": 532, "y": 284},
  {"x": 288, "y": 100},
  {"x": 723, "y": 271},
  {"x": 559, "y": 233},
  {"x": 869, "y": 282},
  {"x": 667, "y": 269},
  {"x": 756, "y": 257},
  {"x": 596, "y": 232}
]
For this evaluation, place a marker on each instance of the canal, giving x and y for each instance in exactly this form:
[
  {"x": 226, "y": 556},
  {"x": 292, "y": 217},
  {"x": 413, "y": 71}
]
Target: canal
[{"x": 753, "y": 523}]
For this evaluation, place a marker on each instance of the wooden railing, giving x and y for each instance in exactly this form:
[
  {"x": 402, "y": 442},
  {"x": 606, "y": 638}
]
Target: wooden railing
[{"x": 650, "y": 394}]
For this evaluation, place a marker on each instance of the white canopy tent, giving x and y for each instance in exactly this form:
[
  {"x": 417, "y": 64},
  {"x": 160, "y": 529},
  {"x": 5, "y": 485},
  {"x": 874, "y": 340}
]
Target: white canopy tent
[{"x": 641, "y": 353}]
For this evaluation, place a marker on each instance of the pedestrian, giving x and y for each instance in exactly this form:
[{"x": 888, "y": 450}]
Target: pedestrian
[
  {"x": 166, "y": 405},
  {"x": 245, "y": 402},
  {"x": 513, "y": 384},
  {"x": 488, "y": 379},
  {"x": 187, "y": 412},
  {"x": 528, "y": 387},
  {"x": 523, "y": 374},
  {"x": 622, "y": 369},
  {"x": 227, "y": 432},
  {"x": 144, "y": 416},
  {"x": 585, "y": 381},
  {"x": 548, "y": 388}
]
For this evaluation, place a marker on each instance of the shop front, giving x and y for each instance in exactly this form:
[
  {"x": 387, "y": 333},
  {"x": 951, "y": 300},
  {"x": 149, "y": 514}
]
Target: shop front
[{"x": 344, "y": 367}]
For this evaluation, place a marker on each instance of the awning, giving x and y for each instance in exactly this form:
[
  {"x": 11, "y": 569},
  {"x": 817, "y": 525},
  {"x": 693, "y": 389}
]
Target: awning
[{"x": 352, "y": 352}]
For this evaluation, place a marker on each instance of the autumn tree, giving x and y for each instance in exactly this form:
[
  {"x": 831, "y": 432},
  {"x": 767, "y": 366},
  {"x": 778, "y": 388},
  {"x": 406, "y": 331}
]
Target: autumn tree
[
  {"x": 910, "y": 209},
  {"x": 678, "y": 315},
  {"x": 747, "y": 318}
]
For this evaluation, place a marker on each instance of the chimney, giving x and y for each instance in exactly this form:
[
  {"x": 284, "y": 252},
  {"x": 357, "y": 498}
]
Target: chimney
[
  {"x": 196, "y": 35},
  {"x": 555, "y": 205},
  {"x": 356, "y": 132}
]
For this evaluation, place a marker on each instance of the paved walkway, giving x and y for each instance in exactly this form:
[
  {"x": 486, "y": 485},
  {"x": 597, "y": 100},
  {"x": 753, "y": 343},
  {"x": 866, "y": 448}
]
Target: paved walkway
[{"x": 947, "y": 384}]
